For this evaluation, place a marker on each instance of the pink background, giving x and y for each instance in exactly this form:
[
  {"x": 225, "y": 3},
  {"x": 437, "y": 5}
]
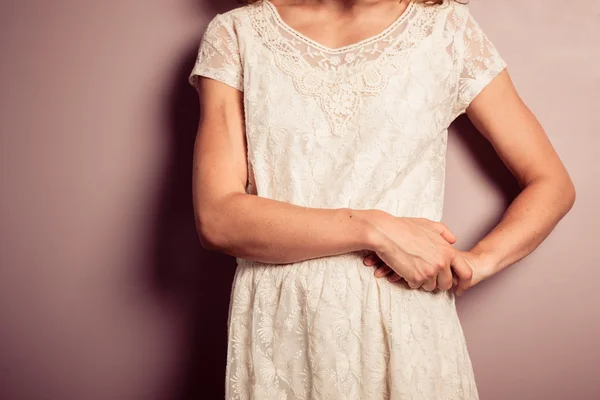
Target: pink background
[{"x": 105, "y": 293}]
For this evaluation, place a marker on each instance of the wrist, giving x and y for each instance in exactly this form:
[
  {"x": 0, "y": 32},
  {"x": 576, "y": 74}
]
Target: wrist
[
  {"x": 485, "y": 261},
  {"x": 372, "y": 237}
]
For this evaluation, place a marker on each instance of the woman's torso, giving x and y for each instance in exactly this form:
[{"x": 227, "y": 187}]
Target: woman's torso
[{"x": 363, "y": 126}]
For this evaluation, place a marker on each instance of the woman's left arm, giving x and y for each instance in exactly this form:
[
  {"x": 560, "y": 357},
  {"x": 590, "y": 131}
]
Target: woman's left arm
[{"x": 548, "y": 193}]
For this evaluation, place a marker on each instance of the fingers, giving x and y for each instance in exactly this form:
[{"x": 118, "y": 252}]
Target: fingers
[
  {"x": 446, "y": 234},
  {"x": 461, "y": 267},
  {"x": 430, "y": 284},
  {"x": 382, "y": 271},
  {"x": 464, "y": 273},
  {"x": 445, "y": 279},
  {"x": 371, "y": 259},
  {"x": 414, "y": 284},
  {"x": 443, "y": 230}
]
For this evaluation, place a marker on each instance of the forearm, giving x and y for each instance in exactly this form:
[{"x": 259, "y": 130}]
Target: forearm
[
  {"x": 271, "y": 231},
  {"x": 529, "y": 219}
]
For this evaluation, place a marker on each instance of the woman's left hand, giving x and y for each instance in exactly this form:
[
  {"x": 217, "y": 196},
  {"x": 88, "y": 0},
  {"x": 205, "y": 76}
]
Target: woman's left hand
[
  {"x": 475, "y": 262},
  {"x": 480, "y": 272}
]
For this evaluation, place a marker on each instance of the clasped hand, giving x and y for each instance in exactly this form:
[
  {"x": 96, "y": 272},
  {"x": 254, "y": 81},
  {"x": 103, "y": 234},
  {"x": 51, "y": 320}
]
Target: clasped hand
[{"x": 420, "y": 251}]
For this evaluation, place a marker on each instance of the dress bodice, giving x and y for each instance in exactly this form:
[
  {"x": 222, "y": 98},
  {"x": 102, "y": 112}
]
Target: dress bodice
[{"x": 360, "y": 126}]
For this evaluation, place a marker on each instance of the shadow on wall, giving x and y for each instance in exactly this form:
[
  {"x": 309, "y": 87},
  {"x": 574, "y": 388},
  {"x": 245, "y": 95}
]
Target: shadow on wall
[
  {"x": 490, "y": 165},
  {"x": 197, "y": 281}
]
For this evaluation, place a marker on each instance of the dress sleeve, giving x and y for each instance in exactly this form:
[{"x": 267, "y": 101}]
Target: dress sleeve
[
  {"x": 479, "y": 63},
  {"x": 218, "y": 54}
]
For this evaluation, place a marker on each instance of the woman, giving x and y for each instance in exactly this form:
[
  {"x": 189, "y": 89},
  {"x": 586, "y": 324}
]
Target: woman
[{"x": 321, "y": 149}]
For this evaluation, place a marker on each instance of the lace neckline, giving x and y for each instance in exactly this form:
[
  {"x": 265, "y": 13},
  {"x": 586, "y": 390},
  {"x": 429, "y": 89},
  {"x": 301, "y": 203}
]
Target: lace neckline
[
  {"x": 405, "y": 14},
  {"x": 339, "y": 78}
]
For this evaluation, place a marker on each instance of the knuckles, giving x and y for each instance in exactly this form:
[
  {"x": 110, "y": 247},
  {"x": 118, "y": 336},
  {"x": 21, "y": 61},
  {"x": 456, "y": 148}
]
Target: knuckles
[
  {"x": 440, "y": 265},
  {"x": 416, "y": 278}
]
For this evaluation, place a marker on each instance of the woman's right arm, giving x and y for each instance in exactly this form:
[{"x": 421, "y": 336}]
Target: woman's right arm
[
  {"x": 271, "y": 231},
  {"x": 249, "y": 226}
]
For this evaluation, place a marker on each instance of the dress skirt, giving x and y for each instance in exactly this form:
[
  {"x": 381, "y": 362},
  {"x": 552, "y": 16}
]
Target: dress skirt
[{"x": 327, "y": 328}]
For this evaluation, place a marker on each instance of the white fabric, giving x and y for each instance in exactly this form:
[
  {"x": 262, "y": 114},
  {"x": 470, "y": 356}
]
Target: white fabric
[{"x": 365, "y": 127}]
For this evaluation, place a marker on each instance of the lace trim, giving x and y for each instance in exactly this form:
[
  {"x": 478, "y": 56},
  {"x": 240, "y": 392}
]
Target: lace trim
[
  {"x": 339, "y": 82},
  {"x": 407, "y": 12}
]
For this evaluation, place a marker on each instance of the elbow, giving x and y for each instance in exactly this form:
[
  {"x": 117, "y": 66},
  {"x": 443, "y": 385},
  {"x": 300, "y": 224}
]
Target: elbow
[
  {"x": 209, "y": 231},
  {"x": 565, "y": 194},
  {"x": 562, "y": 190},
  {"x": 215, "y": 226},
  {"x": 570, "y": 195}
]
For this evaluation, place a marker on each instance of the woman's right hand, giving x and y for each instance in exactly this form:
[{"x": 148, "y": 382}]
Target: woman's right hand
[{"x": 417, "y": 249}]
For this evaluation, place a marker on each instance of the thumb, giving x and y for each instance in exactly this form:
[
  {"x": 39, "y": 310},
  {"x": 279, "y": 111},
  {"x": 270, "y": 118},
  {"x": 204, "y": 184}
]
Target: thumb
[{"x": 464, "y": 273}]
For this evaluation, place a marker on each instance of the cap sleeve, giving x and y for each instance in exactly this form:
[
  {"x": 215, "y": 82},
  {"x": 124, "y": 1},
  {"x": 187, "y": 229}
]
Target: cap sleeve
[
  {"x": 218, "y": 54},
  {"x": 479, "y": 63}
]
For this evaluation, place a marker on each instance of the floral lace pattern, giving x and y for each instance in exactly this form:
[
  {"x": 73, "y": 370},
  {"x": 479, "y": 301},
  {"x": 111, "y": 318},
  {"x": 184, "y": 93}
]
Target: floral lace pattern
[
  {"x": 365, "y": 127},
  {"x": 339, "y": 79},
  {"x": 220, "y": 46}
]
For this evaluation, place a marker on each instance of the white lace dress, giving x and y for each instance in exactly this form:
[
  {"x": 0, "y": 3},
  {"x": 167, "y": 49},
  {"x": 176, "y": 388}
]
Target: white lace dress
[{"x": 363, "y": 126}]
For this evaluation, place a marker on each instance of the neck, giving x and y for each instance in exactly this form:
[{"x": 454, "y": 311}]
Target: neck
[{"x": 340, "y": 4}]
